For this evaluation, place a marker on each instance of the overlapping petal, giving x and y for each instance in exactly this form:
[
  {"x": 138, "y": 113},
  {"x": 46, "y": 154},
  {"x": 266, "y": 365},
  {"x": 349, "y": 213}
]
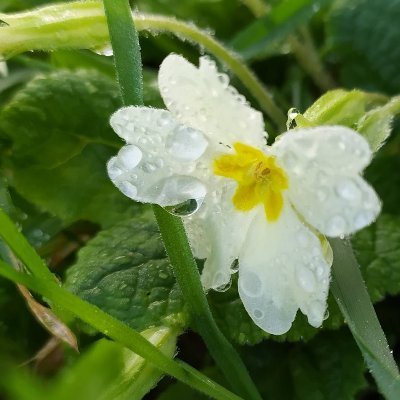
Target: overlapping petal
[
  {"x": 160, "y": 162},
  {"x": 325, "y": 187},
  {"x": 202, "y": 98},
  {"x": 282, "y": 269}
]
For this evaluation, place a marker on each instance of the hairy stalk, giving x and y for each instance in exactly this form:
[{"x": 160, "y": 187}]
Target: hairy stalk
[
  {"x": 127, "y": 58},
  {"x": 307, "y": 56},
  {"x": 79, "y": 25}
]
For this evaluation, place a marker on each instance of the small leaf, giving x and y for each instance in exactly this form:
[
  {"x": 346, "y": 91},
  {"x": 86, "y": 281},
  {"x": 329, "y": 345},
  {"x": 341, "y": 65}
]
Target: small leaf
[
  {"x": 125, "y": 272},
  {"x": 359, "y": 110}
]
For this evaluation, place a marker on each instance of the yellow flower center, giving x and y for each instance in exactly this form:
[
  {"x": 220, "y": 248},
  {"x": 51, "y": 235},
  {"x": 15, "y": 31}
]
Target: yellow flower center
[{"x": 259, "y": 178}]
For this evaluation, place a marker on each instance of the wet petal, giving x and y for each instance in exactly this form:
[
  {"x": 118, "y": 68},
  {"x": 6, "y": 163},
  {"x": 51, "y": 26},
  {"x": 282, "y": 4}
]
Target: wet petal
[
  {"x": 202, "y": 98},
  {"x": 282, "y": 269},
  {"x": 323, "y": 165},
  {"x": 159, "y": 165}
]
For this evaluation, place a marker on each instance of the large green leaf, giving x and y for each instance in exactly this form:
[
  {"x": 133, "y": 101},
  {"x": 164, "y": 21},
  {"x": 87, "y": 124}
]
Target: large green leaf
[
  {"x": 125, "y": 272},
  {"x": 61, "y": 141},
  {"x": 365, "y": 36}
]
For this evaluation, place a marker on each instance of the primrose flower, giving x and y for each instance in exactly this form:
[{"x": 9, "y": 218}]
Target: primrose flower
[{"x": 262, "y": 210}]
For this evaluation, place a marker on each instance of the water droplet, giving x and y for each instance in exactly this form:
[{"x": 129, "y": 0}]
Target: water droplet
[
  {"x": 326, "y": 315},
  {"x": 305, "y": 278},
  {"x": 148, "y": 167},
  {"x": 348, "y": 190},
  {"x": 235, "y": 267},
  {"x": 128, "y": 189},
  {"x": 303, "y": 239},
  {"x": 258, "y": 314},
  {"x": 291, "y": 121},
  {"x": 186, "y": 144},
  {"x": 250, "y": 284},
  {"x": 129, "y": 156},
  {"x": 163, "y": 120},
  {"x": 223, "y": 79},
  {"x": 184, "y": 209},
  {"x": 322, "y": 194},
  {"x": 113, "y": 169},
  {"x": 335, "y": 226}
]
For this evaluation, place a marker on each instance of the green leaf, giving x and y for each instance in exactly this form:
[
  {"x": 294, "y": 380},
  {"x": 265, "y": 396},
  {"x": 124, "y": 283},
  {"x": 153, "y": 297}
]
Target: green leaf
[
  {"x": 125, "y": 272},
  {"x": 377, "y": 249},
  {"x": 359, "y": 110},
  {"x": 385, "y": 182},
  {"x": 266, "y": 33},
  {"x": 376, "y": 125},
  {"x": 366, "y": 34},
  {"x": 61, "y": 142}
]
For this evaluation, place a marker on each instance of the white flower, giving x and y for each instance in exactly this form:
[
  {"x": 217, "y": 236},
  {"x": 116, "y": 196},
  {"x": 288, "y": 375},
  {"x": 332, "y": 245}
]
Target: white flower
[{"x": 268, "y": 207}]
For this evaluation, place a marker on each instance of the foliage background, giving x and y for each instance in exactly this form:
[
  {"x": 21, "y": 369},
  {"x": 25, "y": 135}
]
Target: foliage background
[{"x": 54, "y": 144}]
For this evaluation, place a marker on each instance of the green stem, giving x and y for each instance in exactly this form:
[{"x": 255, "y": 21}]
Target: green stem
[
  {"x": 307, "y": 56},
  {"x": 119, "y": 332},
  {"x": 125, "y": 43},
  {"x": 257, "y": 7},
  {"x": 188, "y": 277},
  {"x": 353, "y": 299},
  {"x": 171, "y": 228},
  {"x": 78, "y": 25},
  {"x": 18, "y": 244}
]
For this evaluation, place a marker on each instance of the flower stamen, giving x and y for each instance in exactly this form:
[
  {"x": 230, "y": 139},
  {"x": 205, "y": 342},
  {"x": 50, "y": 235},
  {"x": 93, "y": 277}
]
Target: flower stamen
[{"x": 259, "y": 178}]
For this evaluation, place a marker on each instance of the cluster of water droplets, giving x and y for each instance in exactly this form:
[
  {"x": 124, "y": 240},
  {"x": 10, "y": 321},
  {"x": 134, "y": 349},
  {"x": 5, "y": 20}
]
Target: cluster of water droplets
[
  {"x": 202, "y": 98},
  {"x": 325, "y": 185},
  {"x": 158, "y": 165}
]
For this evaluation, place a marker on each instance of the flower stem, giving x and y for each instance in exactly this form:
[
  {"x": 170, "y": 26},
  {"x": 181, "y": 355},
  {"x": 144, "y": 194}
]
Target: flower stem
[
  {"x": 307, "y": 56},
  {"x": 78, "y": 25},
  {"x": 128, "y": 67},
  {"x": 350, "y": 292}
]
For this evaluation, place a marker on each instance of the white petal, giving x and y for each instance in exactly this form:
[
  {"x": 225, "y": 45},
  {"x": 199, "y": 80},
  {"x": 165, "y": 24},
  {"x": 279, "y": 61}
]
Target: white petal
[
  {"x": 331, "y": 148},
  {"x": 281, "y": 269},
  {"x": 217, "y": 233},
  {"x": 161, "y": 162},
  {"x": 323, "y": 165},
  {"x": 202, "y": 98}
]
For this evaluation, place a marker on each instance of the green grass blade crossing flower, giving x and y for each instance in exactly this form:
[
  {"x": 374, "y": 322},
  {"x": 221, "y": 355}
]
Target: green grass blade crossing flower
[
  {"x": 353, "y": 299},
  {"x": 128, "y": 65}
]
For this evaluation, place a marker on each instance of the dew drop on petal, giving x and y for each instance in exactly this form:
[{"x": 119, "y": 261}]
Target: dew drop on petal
[
  {"x": 235, "y": 267},
  {"x": 251, "y": 284},
  {"x": 348, "y": 190},
  {"x": 184, "y": 209},
  {"x": 258, "y": 314},
  {"x": 128, "y": 189},
  {"x": 335, "y": 226},
  {"x": 130, "y": 156},
  {"x": 305, "y": 278},
  {"x": 186, "y": 144},
  {"x": 113, "y": 169}
]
